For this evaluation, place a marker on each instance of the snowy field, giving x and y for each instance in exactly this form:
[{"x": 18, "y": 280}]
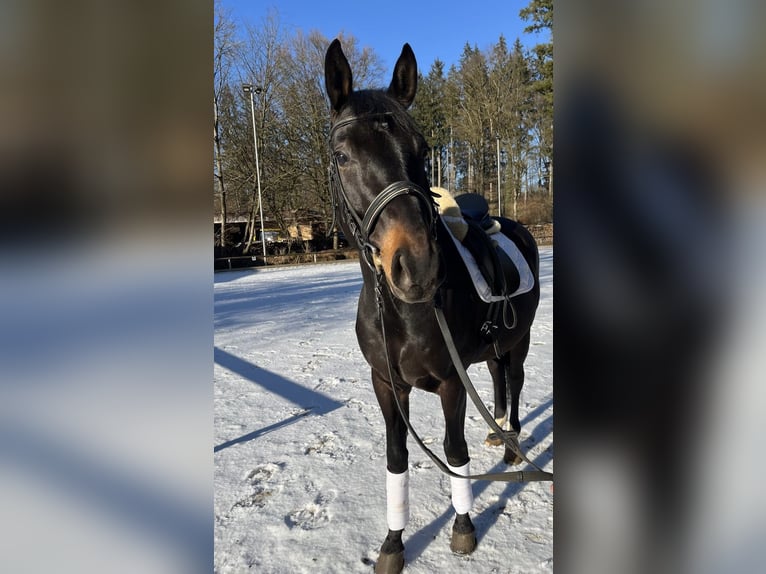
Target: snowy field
[{"x": 300, "y": 442}]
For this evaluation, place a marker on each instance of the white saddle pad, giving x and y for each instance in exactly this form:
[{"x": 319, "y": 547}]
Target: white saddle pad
[{"x": 526, "y": 279}]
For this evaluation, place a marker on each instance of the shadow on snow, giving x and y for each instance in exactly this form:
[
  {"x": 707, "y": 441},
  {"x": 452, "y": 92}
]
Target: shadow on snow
[{"x": 307, "y": 399}]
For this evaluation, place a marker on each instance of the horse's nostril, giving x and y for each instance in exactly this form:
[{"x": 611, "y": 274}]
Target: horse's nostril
[
  {"x": 396, "y": 263},
  {"x": 401, "y": 274}
]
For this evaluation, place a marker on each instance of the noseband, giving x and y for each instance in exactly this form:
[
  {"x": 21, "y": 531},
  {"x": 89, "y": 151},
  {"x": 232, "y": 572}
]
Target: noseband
[{"x": 362, "y": 228}]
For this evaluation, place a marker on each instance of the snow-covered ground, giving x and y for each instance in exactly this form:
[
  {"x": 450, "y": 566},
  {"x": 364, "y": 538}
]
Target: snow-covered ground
[{"x": 300, "y": 442}]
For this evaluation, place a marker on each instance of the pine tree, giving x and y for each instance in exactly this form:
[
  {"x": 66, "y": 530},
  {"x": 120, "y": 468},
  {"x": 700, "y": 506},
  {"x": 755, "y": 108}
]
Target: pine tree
[{"x": 540, "y": 14}]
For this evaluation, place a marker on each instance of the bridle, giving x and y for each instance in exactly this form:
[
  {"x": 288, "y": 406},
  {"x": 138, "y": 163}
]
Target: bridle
[{"x": 361, "y": 229}]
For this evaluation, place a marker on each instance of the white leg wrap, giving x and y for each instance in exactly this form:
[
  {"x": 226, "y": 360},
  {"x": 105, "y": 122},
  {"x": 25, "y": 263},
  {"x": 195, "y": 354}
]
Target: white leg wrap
[
  {"x": 397, "y": 499},
  {"x": 462, "y": 494}
]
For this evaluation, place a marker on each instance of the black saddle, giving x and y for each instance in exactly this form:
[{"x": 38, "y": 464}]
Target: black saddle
[
  {"x": 475, "y": 208},
  {"x": 498, "y": 269}
]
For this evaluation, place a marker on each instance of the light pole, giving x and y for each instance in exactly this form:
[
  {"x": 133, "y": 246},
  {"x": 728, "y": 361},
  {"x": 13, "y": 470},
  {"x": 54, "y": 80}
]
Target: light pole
[{"x": 249, "y": 89}]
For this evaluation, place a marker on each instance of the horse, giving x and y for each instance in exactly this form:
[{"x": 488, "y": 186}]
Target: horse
[{"x": 408, "y": 262}]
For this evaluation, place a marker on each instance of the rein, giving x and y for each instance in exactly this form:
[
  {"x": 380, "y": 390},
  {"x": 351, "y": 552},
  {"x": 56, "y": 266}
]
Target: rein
[
  {"x": 537, "y": 475},
  {"x": 361, "y": 229}
]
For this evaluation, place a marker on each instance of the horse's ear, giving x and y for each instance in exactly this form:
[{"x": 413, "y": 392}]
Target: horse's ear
[
  {"x": 337, "y": 76},
  {"x": 404, "y": 84}
]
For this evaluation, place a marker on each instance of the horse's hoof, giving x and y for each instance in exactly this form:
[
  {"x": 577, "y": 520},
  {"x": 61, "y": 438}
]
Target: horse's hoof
[
  {"x": 511, "y": 458},
  {"x": 390, "y": 563},
  {"x": 463, "y": 535},
  {"x": 391, "y": 558},
  {"x": 493, "y": 440},
  {"x": 462, "y": 543}
]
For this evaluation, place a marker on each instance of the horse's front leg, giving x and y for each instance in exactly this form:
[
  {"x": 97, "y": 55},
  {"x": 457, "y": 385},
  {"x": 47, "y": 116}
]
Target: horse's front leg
[
  {"x": 391, "y": 558},
  {"x": 453, "y": 399}
]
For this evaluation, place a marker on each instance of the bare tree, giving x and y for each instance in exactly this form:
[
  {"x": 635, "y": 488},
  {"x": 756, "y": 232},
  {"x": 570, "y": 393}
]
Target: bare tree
[
  {"x": 292, "y": 116},
  {"x": 306, "y": 118},
  {"x": 224, "y": 50},
  {"x": 258, "y": 64},
  {"x": 500, "y": 93}
]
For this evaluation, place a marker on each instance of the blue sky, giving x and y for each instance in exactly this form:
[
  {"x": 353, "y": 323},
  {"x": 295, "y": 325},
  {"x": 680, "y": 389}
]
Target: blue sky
[{"x": 433, "y": 29}]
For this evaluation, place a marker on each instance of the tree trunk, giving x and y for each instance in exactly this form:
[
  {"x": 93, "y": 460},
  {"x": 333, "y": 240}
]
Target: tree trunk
[
  {"x": 550, "y": 180},
  {"x": 219, "y": 174},
  {"x": 439, "y": 160},
  {"x": 250, "y": 229},
  {"x": 433, "y": 159},
  {"x": 515, "y": 213}
]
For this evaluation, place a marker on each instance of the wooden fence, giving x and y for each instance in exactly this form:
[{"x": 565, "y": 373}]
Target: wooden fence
[{"x": 542, "y": 233}]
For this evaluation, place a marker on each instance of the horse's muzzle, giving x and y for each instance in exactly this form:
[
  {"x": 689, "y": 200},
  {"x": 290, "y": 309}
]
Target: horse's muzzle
[{"x": 414, "y": 278}]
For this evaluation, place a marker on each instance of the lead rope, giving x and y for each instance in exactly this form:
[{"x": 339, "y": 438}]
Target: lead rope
[{"x": 537, "y": 475}]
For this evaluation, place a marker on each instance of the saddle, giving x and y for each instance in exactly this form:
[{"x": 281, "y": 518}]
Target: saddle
[
  {"x": 497, "y": 268},
  {"x": 494, "y": 263}
]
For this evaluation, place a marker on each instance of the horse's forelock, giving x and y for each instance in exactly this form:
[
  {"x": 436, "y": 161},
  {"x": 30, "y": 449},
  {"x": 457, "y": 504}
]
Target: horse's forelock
[{"x": 368, "y": 102}]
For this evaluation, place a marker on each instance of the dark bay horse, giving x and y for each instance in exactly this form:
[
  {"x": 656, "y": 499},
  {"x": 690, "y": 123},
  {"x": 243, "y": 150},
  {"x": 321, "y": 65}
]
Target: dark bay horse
[{"x": 407, "y": 259}]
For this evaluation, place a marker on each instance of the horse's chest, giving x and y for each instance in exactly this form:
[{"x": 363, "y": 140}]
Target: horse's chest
[
  {"x": 418, "y": 362},
  {"x": 417, "y": 355}
]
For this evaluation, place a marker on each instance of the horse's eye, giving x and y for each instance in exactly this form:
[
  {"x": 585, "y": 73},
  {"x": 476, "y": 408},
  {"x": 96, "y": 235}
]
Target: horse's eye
[{"x": 341, "y": 158}]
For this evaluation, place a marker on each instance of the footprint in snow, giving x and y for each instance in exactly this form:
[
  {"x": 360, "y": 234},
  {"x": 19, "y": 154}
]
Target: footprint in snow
[
  {"x": 323, "y": 445},
  {"x": 313, "y": 515},
  {"x": 259, "y": 479},
  {"x": 264, "y": 472}
]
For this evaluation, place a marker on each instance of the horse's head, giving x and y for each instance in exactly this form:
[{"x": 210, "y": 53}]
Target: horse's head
[{"x": 379, "y": 177}]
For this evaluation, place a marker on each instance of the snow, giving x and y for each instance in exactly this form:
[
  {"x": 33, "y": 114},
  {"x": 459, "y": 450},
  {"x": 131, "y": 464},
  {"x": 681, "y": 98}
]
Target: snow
[{"x": 300, "y": 442}]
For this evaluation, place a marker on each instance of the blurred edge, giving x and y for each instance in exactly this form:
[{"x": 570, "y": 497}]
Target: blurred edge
[
  {"x": 105, "y": 446},
  {"x": 659, "y": 289},
  {"x": 105, "y": 287}
]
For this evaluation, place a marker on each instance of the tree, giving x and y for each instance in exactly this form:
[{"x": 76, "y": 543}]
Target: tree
[
  {"x": 258, "y": 64},
  {"x": 472, "y": 122},
  {"x": 503, "y": 103},
  {"x": 430, "y": 115},
  {"x": 304, "y": 129},
  {"x": 518, "y": 121},
  {"x": 451, "y": 106},
  {"x": 224, "y": 50},
  {"x": 292, "y": 123},
  {"x": 502, "y": 92},
  {"x": 540, "y": 14}
]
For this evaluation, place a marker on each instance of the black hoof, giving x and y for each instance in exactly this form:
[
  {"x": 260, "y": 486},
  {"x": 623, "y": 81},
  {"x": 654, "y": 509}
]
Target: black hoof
[
  {"x": 510, "y": 457},
  {"x": 390, "y": 563},
  {"x": 391, "y": 559},
  {"x": 463, "y": 535}
]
